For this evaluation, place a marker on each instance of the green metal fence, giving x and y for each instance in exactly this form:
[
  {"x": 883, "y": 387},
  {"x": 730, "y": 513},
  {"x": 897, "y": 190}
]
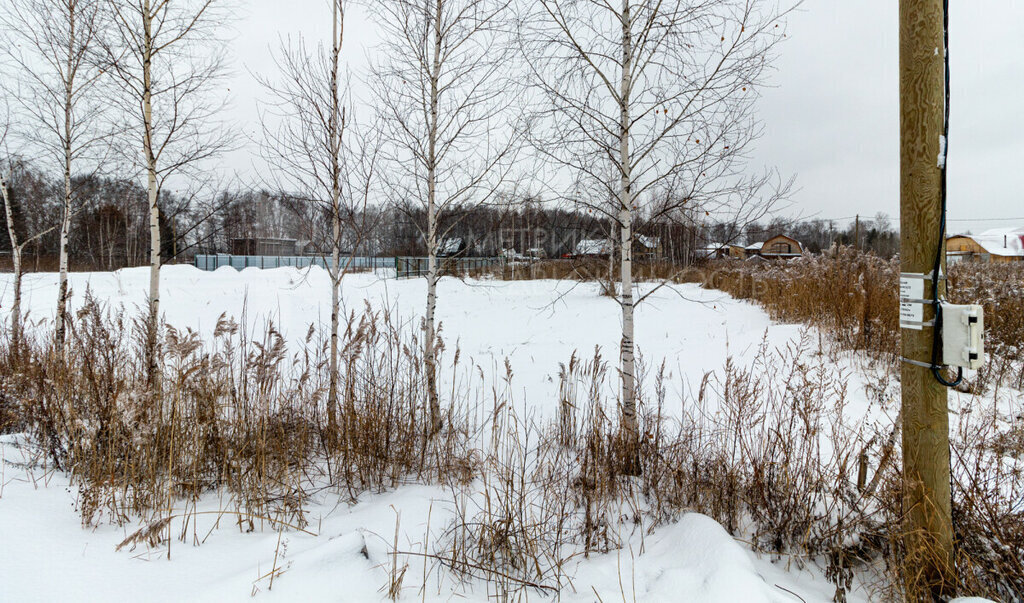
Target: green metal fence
[{"x": 408, "y": 267}]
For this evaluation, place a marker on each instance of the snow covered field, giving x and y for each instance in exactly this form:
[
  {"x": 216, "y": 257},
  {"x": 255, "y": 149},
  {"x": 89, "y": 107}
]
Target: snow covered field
[{"x": 536, "y": 325}]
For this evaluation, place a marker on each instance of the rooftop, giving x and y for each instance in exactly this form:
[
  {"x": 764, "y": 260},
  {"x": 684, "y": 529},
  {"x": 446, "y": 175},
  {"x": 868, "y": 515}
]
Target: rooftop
[{"x": 1000, "y": 241}]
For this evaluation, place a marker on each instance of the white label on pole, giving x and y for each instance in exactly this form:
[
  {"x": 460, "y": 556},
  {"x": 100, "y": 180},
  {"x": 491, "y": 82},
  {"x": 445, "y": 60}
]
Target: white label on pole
[{"x": 911, "y": 308}]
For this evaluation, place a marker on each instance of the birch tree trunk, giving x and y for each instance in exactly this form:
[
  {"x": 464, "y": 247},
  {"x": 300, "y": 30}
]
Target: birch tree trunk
[
  {"x": 16, "y": 259},
  {"x": 153, "y": 324},
  {"x": 166, "y": 57},
  {"x": 674, "y": 81},
  {"x": 62, "y": 289},
  {"x": 335, "y": 269},
  {"x": 65, "y": 224},
  {"x": 16, "y": 306},
  {"x": 429, "y": 355},
  {"x": 317, "y": 148},
  {"x": 443, "y": 87},
  {"x": 332, "y": 379},
  {"x": 631, "y": 437}
]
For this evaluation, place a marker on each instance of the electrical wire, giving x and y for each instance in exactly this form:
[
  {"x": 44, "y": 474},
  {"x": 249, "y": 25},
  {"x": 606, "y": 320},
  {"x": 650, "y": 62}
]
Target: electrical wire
[{"x": 944, "y": 151}]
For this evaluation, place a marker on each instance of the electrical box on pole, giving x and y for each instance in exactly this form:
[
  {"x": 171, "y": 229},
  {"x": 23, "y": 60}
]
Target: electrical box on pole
[{"x": 963, "y": 329}]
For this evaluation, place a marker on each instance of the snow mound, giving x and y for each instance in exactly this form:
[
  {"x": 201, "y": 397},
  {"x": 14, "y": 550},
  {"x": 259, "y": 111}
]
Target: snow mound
[{"x": 697, "y": 561}]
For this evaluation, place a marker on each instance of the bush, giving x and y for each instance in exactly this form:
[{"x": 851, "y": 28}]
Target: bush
[{"x": 238, "y": 415}]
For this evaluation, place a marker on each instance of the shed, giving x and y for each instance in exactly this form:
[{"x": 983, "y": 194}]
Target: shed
[
  {"x": 648, "y": 248},
  {"x": 779, "y": 247},
  {"x": 451, "y": 246},
  {"x": 263, "y": 246},
  {"x": 593, "y": 248},
  {"x": 998, "y": 245},
  {"x": 713, "y": 251}
]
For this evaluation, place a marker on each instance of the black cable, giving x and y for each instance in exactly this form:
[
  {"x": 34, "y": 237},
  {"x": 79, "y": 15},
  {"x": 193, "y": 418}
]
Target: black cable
[{"x": 944, "y": 151}]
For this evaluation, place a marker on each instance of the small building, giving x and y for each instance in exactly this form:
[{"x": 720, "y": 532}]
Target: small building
[
  {"x": 738, "y": 252},
  {"x": 752, "y": 251},
  {"x": 647, "y": 248},
  {"x": 593, "y": 248},
  {"x": 997, "y": 246},
  {"x": 450, "y": 247},
  {"x": 263, "y": 246},
  {"x": 779, "y": 247},
  {"x": 713, "y": 251}
]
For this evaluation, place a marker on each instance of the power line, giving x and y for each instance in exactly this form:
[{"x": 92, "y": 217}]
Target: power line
[
  {"x": 816, "y": 219},
  {"x": 984, "y": 219}
]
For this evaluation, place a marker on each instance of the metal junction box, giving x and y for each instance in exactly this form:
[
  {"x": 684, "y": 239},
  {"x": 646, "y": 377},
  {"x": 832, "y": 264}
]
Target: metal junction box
[{"x": 963, "y": 329}]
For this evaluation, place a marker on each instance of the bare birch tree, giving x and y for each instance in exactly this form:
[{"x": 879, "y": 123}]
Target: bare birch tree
[
  {"x": 166, "y": 57},
  {"x": 442, "y": 84},
  {"x": 6, "y": 170},
  {"x": 319, "y": 154},
  {"x": 19, "y": 231},
  {"x": 63, "y": 116},
  {"x": 662, "y": 90}
]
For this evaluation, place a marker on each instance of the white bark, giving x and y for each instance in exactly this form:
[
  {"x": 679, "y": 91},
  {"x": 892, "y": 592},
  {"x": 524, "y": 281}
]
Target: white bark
[
  {"x": 433, "y": 274},
  {"x": 16, "y": 249},
  {"x": 627, "y": 352},
  {"x": 335, "y": 126},
  {"x": 440, "y": 82},
  {"x": 661, "y": 92},
  {"x": 153, "y": 323},
  {"x": 65, "y": 224}
]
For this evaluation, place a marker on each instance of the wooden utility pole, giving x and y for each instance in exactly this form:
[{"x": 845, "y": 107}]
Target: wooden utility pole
[
  {"x": 856, "y": 234},
  {"x": 926, "y": 468}
]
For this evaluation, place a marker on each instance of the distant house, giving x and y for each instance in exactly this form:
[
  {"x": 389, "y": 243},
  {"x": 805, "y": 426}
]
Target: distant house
[
  {"x": 738, "y": 252},
  {"x": 752, "y": 251},
  {"x": 779, "y": 247},
  {"x": 646, "y": 248},
  {"x": 593, "y": 248},
  {"x": 263, "y": 246},
  {"x": 305, "y": 247},
  {"x": 997, "y": 246},
  {"x": 731, "y": 250},
  {"x": 713, "y": 251},
  {"x": 451, "y": 246}
]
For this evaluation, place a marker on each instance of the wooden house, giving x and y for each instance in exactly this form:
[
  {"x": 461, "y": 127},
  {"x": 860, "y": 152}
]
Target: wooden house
[
  {"x": 996, "y": 246},
  {"x": 779, "y": 247},
  {"x": 646, "y": 248}
]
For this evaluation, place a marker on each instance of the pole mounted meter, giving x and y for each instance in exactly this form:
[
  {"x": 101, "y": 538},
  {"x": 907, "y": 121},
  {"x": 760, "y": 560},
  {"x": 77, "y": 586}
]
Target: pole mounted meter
[{"x": 963, "y": 342}]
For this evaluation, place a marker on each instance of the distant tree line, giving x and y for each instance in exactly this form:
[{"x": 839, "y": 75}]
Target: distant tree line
[{"x": 111, "y": 231}]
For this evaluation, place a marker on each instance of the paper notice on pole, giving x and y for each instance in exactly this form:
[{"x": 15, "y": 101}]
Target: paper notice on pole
[{"x": 912, "y": 302}]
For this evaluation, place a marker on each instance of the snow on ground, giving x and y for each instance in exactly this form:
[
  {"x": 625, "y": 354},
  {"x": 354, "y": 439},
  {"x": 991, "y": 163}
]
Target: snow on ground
[
  {"x": 535, "y": 324},
  {"x": 48, "y": 556}
]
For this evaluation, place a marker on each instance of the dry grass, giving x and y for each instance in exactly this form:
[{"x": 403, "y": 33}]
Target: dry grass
[
  {"x": 770, "y": 450},
  {"x": 237, "y": 415},
  {"x": 749, "y": 452},
  {"x": 851, "y": 298}
]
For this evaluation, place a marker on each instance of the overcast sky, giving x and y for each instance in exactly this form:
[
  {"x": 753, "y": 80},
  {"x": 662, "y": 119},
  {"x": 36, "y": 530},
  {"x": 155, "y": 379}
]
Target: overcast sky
[{"x": 831, "y": 118}]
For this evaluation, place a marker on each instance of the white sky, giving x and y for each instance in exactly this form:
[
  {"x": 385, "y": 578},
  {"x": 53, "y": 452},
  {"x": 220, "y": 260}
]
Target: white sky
[{"x": 831, "y": 118}]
